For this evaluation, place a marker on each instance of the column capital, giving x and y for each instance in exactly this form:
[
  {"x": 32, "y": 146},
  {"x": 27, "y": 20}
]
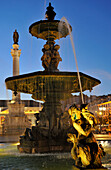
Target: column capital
[
  {"x": 15, "y": 46},
  {"x": 15, "y": 52}
]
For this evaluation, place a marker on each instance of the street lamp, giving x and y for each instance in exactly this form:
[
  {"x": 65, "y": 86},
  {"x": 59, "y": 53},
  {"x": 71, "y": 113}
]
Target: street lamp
[
  {"x": 100, "y": 119},
  {"x": 101, "y": 110},
  {"x": 100, "y": 113}
]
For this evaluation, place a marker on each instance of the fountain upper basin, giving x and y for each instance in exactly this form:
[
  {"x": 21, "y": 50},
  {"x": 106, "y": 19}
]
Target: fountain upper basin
[{"x": 46, "y": 29}]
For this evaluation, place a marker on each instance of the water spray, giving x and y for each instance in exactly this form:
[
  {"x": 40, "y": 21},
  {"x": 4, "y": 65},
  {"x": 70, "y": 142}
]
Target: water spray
[{"x": 73, "y": 47}]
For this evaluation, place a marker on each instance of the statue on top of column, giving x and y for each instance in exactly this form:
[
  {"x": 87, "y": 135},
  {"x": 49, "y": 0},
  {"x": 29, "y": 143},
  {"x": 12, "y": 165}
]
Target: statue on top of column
[{"x": 15, "y": 37}]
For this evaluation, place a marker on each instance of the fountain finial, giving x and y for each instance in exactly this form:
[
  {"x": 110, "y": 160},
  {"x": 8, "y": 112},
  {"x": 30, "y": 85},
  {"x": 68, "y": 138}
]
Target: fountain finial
[
  {"x": 15, "y": 37},
  {"x": 50, "y": 14}
]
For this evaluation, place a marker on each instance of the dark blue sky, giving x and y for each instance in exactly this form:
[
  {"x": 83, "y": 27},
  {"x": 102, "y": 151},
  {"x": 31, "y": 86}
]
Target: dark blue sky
[{"x": 91, "y": 24}]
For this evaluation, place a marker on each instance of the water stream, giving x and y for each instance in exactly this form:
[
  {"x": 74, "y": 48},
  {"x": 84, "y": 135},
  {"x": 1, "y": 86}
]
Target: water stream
[{"x": 73, "y": 47}]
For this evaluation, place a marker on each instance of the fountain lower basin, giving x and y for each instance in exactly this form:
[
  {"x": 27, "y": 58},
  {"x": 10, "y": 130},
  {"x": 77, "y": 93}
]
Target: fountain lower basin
[
  {"x": 42, "y": 82},
  {"x": 10, "y": 159}
]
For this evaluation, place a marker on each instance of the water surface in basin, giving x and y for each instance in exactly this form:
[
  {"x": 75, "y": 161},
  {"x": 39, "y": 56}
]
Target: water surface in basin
[{"x": 11, "y": 159}]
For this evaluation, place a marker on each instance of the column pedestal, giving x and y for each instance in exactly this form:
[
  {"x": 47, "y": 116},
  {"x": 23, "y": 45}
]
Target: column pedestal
[{"x": 16, "y": 122}]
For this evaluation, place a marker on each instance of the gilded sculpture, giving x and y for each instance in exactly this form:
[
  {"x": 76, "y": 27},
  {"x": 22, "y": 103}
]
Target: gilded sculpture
[{"x": 85, "y": 151}]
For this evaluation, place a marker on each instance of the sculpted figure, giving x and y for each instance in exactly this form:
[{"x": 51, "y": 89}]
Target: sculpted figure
[
  {"x": 56, "y": 56},
  {"x": 85, "y": 151},
  {"x": 15, "y": 37},
  {"x": 51, "y": 57},
  {"x": 46, "y": 59}
]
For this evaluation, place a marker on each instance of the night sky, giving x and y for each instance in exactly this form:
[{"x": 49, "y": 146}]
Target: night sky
[{"x": 91, "y": 30}]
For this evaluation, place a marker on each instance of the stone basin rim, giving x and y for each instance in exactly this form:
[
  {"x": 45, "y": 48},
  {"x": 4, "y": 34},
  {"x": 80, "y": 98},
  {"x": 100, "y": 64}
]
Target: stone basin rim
[
  {"x": 46, "y": 21},
  {"x": 36, "y": 24},
  {"x": 47, "y": 73}
]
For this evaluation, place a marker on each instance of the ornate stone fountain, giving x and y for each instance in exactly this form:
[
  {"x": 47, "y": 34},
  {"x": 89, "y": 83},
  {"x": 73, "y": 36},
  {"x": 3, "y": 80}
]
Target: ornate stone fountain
[{"x": 50, "y": 86}]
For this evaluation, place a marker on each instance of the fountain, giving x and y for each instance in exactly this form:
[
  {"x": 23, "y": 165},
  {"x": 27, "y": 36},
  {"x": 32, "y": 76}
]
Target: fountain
[{"x": 50, "y": 86}]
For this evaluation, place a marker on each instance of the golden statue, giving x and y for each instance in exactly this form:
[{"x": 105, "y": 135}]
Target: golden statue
[{"x": 85, "y": 152}]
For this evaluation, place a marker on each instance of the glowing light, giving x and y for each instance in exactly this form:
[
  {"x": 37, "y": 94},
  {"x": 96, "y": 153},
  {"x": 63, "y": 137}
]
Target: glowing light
[
  {"x": 100, "y": 113},
  {"x": 104, "y": 143},
  {"x": 16, "y": 144},
  {"x": 102, "y": 108},
  {"x": 12, "y": 101}
]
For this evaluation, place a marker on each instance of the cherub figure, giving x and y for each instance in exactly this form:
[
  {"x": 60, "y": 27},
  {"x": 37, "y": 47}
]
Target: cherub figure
[
  {"x": 51, "y": 57},
  {"x": 85, "y": 151}
]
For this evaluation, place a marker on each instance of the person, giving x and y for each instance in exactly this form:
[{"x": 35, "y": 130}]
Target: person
[{"x": 37, "y": 118}]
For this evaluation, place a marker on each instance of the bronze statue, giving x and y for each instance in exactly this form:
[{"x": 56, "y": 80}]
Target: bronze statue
[
  {"x": 51, "y": 57},
  {"x": 15, "y": 37},
  {"x": 85, "y": 151}
]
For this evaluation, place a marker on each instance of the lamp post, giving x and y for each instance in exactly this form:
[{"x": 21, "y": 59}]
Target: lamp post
[{"x": 100, "y": 119}]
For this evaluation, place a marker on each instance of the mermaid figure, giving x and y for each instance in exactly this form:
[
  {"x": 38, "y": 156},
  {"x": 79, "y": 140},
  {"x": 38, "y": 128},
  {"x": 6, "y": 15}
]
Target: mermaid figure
[{"x": 86, "y": 152}]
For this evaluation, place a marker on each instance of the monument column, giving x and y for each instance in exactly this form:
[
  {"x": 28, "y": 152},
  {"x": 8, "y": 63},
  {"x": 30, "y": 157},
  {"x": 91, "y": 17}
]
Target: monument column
[
  {"x": 16, "y": 121},
  {"x": 15, "y": 52}
]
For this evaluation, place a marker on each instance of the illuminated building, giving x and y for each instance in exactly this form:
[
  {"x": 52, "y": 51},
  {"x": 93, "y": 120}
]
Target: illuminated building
[
  {"x": 31, "y": 107},
  {"x": 104, "y": 111}
]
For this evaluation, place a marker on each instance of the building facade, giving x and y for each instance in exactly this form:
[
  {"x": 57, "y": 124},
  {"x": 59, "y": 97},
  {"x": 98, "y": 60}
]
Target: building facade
[{"x": 31, "y": 107}]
